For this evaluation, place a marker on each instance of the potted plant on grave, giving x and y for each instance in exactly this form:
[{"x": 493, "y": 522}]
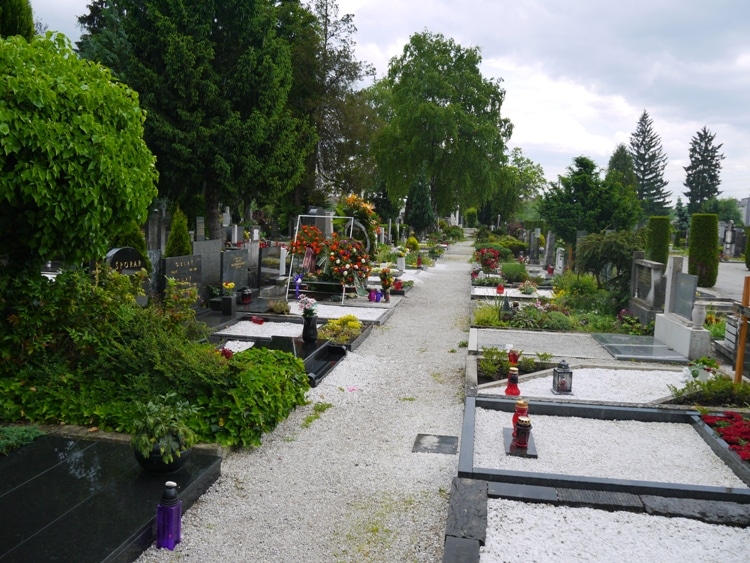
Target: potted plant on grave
[{"x": 161, "y": 436}]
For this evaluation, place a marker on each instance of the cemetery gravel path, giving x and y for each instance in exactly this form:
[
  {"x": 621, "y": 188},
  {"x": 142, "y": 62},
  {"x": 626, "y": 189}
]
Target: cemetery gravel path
[{"x": 347, "y": 487}]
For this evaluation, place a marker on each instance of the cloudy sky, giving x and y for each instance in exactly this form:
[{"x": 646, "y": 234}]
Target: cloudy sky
[{"x": 578, "y": 74}]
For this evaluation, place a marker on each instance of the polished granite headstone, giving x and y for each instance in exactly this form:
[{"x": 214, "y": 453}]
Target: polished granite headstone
[
  {"x": 65, "y": 499},
  {"x": 638, "y": 348}
]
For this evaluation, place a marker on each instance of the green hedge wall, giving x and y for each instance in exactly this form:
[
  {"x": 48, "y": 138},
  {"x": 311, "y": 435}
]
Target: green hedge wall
[
  {"x": 704, "y": 248},
  {"x": 657, "y": 241}
]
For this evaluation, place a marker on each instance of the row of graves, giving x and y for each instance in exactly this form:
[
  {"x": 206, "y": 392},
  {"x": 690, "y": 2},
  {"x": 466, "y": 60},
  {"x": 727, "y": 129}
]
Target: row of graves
[{"x": 594, "y": 428}]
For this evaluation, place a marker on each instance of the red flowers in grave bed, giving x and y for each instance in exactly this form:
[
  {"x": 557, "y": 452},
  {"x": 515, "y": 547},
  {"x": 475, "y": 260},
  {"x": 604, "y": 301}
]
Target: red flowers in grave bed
[{"x": 734, "y": 429}]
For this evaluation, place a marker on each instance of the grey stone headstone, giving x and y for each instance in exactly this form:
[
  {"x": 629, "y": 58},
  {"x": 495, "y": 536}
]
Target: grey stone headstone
[
  {"x": 234, "y": 267},
  {"x": 200, "y": 228},
  {"x": 685, "y": 295}
]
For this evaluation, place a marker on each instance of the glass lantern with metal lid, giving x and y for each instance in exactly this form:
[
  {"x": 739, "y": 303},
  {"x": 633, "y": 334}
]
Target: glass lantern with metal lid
[{"x": 562, "y": 379}]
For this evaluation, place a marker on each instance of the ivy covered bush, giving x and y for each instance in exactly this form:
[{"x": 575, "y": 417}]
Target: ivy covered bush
[{"x": 79, "y": 350}]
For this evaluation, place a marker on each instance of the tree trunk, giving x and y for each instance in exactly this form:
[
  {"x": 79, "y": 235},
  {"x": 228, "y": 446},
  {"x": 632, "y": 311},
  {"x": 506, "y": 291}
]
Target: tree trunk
[{"x": 213, "y": 217}]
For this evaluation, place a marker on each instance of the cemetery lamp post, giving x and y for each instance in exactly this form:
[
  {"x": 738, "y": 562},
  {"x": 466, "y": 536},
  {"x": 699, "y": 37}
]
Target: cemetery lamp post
[{"x": 562, "y": 379}]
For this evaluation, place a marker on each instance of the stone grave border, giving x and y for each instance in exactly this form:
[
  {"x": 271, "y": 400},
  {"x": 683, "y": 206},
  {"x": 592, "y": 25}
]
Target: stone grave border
[{"x": 466, "y": 524}]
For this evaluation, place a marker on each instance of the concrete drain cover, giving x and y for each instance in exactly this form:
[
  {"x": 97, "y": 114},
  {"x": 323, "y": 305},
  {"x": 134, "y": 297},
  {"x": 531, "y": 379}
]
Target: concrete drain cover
[{"x": 432, "y": 444}]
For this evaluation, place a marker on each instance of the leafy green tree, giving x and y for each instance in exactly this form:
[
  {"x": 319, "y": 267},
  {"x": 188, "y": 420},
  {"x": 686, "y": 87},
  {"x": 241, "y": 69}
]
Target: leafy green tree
[
  {"x": 582, "y": 201},
  {"x": 214, "y": 78},
  {"x": 726, "y": 208},
  {"x": 16, "y": 18},
  {"x": 598, "y": 253},
  {"x": 649, "y": 162},
  {"x": 444, "y": 115},
  {"x": 74, "y": 168},
  {"x": 702, "y": 174},
  {"x": 419, "y": 211},
  {"x": 522, "y": 180}
]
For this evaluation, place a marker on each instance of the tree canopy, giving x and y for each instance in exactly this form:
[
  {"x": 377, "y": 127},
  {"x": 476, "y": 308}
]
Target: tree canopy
[
  {"x": 649, "y": 162},
  {"x": 582, "y": 201},
  {"x": 702, "y": 174},
  {"x": 444, "y": 115},
  {"x": 74, "y": 168},
  {"x": 16, "y": 18},
  {"x": 215, "y": 79}
]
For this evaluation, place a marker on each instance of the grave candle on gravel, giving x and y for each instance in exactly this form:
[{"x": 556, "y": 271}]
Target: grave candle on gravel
[{"x": 512, "y": 388}]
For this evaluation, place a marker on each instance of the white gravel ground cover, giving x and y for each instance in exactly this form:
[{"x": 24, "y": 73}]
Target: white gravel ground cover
[
  {"x": 621, "y": 449},
  {"x": 601, "y": 384},
  {"x": 519, "y": 531},
  {"x": 346, "y": 486}
]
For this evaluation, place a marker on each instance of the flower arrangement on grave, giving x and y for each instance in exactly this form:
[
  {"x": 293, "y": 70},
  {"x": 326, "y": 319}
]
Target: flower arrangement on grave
[
  {"x": 364, "y": 212},
  {"x": 701, "y": 369},
  {"x": 527, "y": 288},
  {"x": 347, "y": 260},
  {"x": 342, "y": 330},
  {"x": 734, "y": 429},
  {"x": 308, "y": 236},
  {"x": 228, "y": 286},
  {"x": 401, "y": 251},
  {"x": 386, "y": 278},
  {"x": 308, "y": 305},
  {"x": 488, "y": 258}
]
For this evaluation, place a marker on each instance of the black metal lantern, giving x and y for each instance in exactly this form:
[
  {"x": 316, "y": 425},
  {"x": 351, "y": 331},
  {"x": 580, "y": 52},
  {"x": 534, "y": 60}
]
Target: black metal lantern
[{"x": 562, "y": 379}]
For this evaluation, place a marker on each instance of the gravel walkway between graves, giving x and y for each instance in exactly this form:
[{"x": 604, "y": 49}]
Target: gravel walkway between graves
[{"x": 348, "y": 487}]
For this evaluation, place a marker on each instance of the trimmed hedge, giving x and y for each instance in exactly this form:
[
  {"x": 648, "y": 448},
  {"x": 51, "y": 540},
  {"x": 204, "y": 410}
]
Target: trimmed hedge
[
  {"x": 704, "y": 248},
  {"x": 657, "y": 240}
]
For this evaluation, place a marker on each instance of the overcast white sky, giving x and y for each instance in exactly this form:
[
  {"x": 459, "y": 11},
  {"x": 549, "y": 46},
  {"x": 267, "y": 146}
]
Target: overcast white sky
[{"x": 578, "y": 74}]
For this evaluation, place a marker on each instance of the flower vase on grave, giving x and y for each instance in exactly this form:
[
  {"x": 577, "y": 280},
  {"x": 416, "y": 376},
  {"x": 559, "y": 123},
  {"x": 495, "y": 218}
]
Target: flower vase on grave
[
  {"x": 310, "y": 329},
  {"x": 699, "y": 315},
  {"x": 387, "y": 296}
]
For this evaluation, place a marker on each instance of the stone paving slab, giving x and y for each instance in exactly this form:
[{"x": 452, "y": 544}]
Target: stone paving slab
[{"x": 568, "y": 345}]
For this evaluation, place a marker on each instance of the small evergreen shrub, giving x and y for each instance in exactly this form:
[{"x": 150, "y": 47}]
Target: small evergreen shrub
[
  {"x": 703, "y": 259},
  {"x": 657, "y": 241},
  {"x": 514, "y": 272},
  {"x": 471, "y": 217},
  {"x": 554, "y": 320},
  {"x": 412, "y": 244},
  {"x": 178, "y": 242}
]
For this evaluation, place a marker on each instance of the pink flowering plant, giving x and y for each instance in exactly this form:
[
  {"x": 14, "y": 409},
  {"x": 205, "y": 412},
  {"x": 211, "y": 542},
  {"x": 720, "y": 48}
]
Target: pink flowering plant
[{"x": 308, "y": 305}]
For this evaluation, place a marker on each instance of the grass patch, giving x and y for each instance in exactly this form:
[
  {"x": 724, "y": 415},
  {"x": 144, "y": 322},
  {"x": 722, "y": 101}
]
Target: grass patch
[{"x": 318, "y": 409}]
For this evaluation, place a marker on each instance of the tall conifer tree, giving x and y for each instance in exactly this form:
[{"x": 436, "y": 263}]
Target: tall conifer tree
[
  {"x": 702, "y": 174},
  {"x": 649, "y": 162}
]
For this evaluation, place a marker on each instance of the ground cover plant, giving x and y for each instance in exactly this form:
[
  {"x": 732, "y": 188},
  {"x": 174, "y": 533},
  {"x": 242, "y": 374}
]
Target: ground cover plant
[
  {"x": 13, "y": 437},
  {"x": 79, "y": 350},
  {"x": 734, "y": 429},
  {"x": 718, "y": 391},
  {"x": 494, "y": 364},
  {"x": 578, "y": 305}
]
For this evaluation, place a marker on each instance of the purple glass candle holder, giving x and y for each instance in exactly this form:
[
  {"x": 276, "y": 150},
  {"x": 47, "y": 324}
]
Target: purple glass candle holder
[{"x": 168, "y": 517}]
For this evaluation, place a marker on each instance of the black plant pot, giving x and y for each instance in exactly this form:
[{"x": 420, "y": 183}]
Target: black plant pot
[{"x": 155, "y": 465}]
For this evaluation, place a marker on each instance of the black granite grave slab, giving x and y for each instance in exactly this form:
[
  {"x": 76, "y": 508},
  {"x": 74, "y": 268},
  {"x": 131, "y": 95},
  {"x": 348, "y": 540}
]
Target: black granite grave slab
[
  {"x": 320, "y": 357},
  {"x": 608, "y": 500},
  {"x": 77, "y": 500},
  {"x": 525, "y": 493},
  {"x": 433, "y": 444},
  {"x": 467, "y": 516}
]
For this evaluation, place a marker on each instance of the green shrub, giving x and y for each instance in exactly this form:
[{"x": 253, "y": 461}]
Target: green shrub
[
  {"x": 703, "y": 249},
  {"x": 178, "y": 241},
  {"x": 412, "y": 244},
  {"x": 657, "y": 241},
  {"x": 557, "y": 321},
  {"x": 493, "y": 363},
  {"x": 263, "y": 386},
  {"x": 717, "y": 391},
  {"x": 514, "y": 272},
  {"x": 471, "y": 217}
]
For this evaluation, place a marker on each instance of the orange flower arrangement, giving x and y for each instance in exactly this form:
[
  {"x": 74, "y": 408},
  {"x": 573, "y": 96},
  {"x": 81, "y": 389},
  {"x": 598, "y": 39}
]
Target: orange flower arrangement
[
  {"x": 347, "y": 260},
  {"x": 308, "y": 236}
]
